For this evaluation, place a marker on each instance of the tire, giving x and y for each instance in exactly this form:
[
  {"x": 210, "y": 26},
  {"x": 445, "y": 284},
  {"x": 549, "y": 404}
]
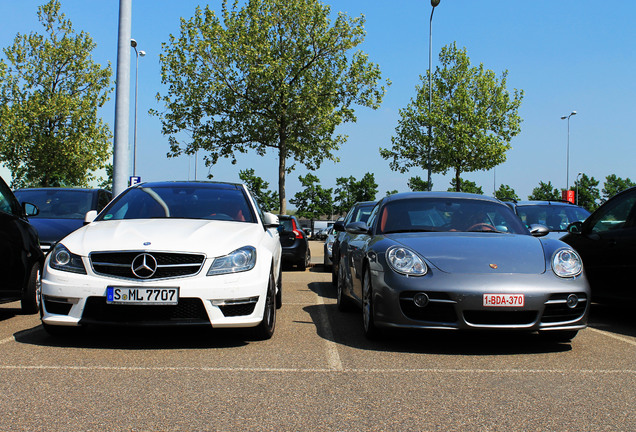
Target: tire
[
  {"x": 302, "y": 265},
  {"x": 31, "y": 292},
  {"x": 344, "y": 303},
  {"x": 279, "y": 292},
  {"x": 368, "y": 323},
  {"x": 334, "y": 273},
  {"x": 266, "y": 328},
  {"x": 559, "y": 335}
]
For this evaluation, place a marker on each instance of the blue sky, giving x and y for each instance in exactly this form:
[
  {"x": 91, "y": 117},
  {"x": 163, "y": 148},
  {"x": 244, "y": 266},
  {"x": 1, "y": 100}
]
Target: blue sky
[{"x": 566, "y": 55}]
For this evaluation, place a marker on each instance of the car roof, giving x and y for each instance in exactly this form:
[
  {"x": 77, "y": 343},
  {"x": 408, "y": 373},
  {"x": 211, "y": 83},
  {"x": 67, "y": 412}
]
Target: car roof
[
  {"x": 545, "y": 202},
  {"x": 440, "y": 194},
  {"x": 184, "y": 183},
  {"x": 60, "y": 189}
]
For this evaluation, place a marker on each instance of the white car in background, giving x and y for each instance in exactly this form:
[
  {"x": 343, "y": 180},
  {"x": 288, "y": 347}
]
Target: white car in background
[{"x": 168, "y": 253}]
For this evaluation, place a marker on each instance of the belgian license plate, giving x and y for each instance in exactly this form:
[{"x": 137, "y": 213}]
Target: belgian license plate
[
  {"x": 143, "y": 296},
  {"x": 504, "y": 300}
]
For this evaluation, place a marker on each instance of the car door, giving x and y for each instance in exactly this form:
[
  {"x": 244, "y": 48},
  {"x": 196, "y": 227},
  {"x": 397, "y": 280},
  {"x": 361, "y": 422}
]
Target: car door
[
  {"x": 607, "y": 244},
  {"x": 15, "y": 237},
  {"x": 356, "y": 251}
]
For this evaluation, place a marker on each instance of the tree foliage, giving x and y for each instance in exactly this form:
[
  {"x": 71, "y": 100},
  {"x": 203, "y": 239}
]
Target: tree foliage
[
  {"x": 350, "y": 191},
  {"x": 418, "y": 184},
  {"x": 313, "y": 201},
  {"x": 545, "y": 192},
  {"x": 50, "y": 91},
  {"x": 588, "y": 193},
  {"x": 473, "y": 117},
  {"x": 274, "y": 75},
  {"x": 505, "y": 192},
  {"x": 465, "y": 186},
  {"x": 267, "y": 200},
  {"x": 614, "y": 185}
]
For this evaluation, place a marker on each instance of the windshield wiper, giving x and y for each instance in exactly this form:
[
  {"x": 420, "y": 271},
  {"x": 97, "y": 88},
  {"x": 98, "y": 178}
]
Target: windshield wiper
[{"x": 409, "y": 230}]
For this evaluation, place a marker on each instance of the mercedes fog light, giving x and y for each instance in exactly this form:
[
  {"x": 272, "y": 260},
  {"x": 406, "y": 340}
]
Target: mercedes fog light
[{"x": 420, "y": 300}]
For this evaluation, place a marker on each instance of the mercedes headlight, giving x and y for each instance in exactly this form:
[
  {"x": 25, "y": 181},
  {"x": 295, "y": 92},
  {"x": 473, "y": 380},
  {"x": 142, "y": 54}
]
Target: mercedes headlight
[
  {"x": 240, "y": 260},
  {"x": 62, "y": 259},
  {"x": 405, "y": 261},
  {"x": 566, "y": 263}
]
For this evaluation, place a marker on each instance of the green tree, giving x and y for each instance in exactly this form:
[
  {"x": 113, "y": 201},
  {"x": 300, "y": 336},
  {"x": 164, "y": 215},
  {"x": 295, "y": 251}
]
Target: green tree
[
  {"x": 50, "y": 91},
  {"x": 465, "y": 186},
  {"x": 107, "y": 183},
  {"x": 589, "y": 194},
  {"x": 274, "y": 75},
  {"x": 313, "y": 201},
  {"x": 473, "y": 117},
  {"x": 391, "y": 192},
  {"x": 418, "y": 184},
  {"x": 267, "y": 200},
  {"x": 614, "y": 185},
  {"x": 506, "y": 192},
  {"x": 544, "y": 192},
  {"x": 350, "y": 191}
]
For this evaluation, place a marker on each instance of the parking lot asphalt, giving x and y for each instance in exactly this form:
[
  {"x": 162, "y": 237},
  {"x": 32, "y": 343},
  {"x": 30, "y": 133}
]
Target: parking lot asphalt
[{"x": 317, "y": 373}]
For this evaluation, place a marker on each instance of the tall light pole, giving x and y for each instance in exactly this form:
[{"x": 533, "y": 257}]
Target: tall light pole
[
  {"x": 133, "y": 43},
  {"x": 434, "y": 4},
  {"x": 567, "y": 169},
  {"x": 577, "y": 188}
]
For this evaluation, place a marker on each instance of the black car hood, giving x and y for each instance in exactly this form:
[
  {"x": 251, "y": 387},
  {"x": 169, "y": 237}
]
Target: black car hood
[
  {"x": 477, "y": 252},
  {"x": 53, "y": 230}
]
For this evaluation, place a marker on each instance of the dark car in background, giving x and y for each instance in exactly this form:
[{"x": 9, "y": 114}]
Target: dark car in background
[
  {"x": 61, "y": 210},
  {"x": 20, "y": 256},
  {"x": 294, "y": 242},
  {"x": 359, "y": 213},
  {"x": 606, "y": 241},
  {"x": 555, "y": 215}
]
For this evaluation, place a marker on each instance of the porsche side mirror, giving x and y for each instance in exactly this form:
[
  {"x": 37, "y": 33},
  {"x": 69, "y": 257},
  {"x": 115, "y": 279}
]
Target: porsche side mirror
[
  {"x": 357, "y": 228},
  {"x": 538, "y": 230}
]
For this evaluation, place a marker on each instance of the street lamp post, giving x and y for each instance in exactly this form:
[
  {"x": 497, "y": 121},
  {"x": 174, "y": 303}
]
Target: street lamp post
[
  {"x": 133, "y": 43},
  {"x": 577, "y": 188},
  {"x": 434, "y": 4},
  {"x": 567, "y": 168}
]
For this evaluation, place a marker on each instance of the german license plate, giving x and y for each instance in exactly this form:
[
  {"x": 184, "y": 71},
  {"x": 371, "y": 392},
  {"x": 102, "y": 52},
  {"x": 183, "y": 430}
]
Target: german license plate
[
  {"x": 504, "y": 300},
  {"x": 143, "y": 296}
]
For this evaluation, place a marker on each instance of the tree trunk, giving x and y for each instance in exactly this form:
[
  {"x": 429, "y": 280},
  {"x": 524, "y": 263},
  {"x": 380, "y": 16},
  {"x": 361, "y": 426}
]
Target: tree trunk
[
  {"x": 282, "y": 157},
  {"x": 458, "y": 186}
]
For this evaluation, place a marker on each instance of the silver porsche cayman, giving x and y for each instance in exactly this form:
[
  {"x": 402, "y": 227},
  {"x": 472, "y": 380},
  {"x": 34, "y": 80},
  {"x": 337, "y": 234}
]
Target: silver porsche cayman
[{"x": 436, "y": 260}]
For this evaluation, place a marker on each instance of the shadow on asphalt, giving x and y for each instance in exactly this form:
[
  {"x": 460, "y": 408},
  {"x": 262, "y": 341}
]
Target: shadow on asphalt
[
  {"x": 347, "y": 330},
  {"x": 139, "y": 338}
]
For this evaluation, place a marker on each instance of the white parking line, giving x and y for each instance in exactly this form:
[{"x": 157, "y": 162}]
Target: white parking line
[
  {"x": 613, "y": 336},
  {"x": 333, "y": 358},
  {"x": 5, "y": 340}
]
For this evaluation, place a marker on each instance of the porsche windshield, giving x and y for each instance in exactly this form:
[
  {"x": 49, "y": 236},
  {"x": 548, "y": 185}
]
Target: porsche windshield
[
  {"x": 448, "y": 214},
  {"x": 187, "y": 202}
]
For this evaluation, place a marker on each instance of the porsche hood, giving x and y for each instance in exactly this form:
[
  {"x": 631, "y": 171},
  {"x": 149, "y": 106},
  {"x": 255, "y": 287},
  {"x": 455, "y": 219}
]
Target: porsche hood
[{"x": 478, "y": 252}]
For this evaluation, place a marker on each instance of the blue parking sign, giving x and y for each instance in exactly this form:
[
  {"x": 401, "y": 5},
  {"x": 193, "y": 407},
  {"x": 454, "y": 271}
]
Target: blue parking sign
[{"x": 134, "y": 180}]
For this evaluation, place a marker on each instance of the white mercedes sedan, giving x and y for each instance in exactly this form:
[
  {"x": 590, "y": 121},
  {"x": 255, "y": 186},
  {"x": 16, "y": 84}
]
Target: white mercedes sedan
[{"x": 168, "y": 254}]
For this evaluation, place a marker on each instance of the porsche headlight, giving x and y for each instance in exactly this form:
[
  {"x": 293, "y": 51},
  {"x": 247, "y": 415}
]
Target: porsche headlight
[
  {"x": 62, "y": 259},
  {"x": 566, "y": 263},
  {"x": 405, "y": 261},
  {"x": 240, "y": 260}
]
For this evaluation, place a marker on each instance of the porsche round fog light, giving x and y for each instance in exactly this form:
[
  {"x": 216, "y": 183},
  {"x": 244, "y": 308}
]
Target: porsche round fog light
[
  {"x": 421, "y": 300},
  {"x": 572, "y": 301}
]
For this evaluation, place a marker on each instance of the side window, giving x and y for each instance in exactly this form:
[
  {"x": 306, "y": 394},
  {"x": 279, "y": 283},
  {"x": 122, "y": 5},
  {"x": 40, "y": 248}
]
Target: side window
[
  {"x": 8, "y": 204},
  {"x": 373, "y": 216},
  {"x": 615, "y": 216}
]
